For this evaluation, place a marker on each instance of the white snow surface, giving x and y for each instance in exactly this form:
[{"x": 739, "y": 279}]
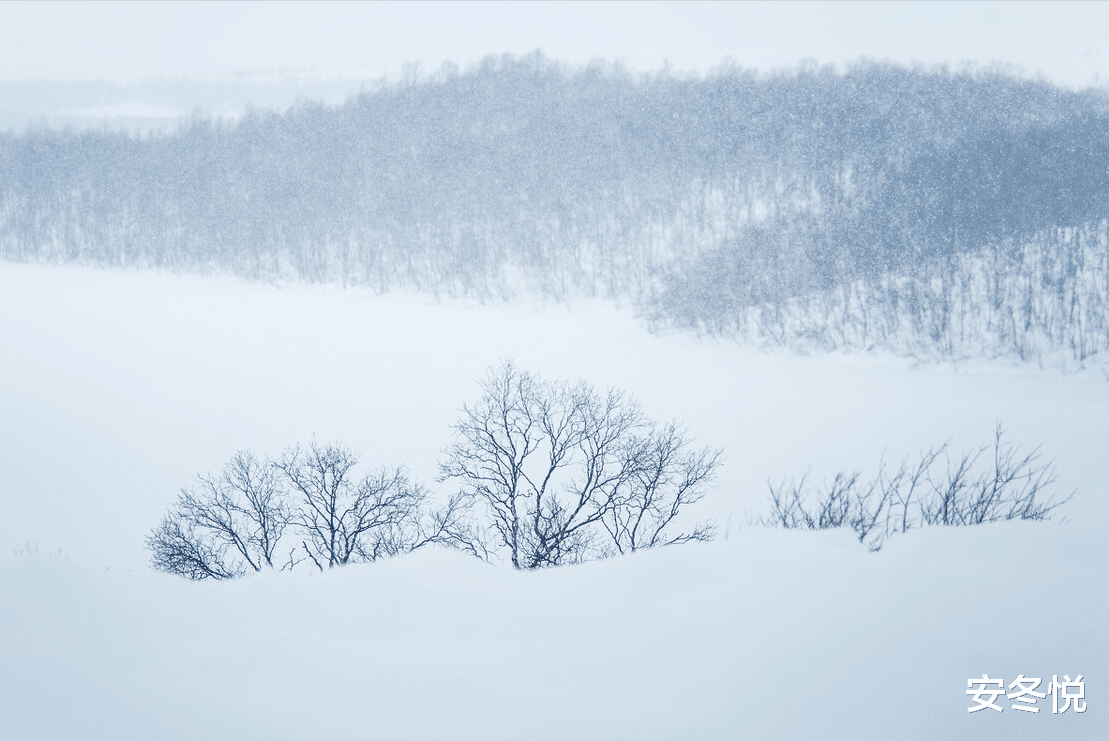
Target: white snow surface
[{"x": 119, "y": 387}]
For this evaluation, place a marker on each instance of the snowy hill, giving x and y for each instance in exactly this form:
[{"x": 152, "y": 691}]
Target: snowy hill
[
  {"x": 769, "y": 634},
  {"x": 938, "y": 213}
]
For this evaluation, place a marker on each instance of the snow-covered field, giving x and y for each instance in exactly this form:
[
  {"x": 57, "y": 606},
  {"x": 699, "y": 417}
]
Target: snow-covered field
[{"x": 120, "y": 387}]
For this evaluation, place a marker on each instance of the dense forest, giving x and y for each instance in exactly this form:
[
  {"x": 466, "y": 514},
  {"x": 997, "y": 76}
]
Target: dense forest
[{"x": 932, "y": 212}]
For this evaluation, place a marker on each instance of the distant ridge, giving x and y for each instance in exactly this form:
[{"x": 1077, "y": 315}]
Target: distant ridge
[{"x": 712, "y": 201}]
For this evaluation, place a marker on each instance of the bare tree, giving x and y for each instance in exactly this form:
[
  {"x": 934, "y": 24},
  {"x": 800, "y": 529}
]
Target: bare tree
[
  {"x": 228, "y": 526},
  {"x": 452, "y": 526},
  {"x": 343, "y": 520},
  {"x": 177, "y": 547},
  {"x": 232, "y": 524},
  {"x": 550, "y": 461},
  {"x": 668, "y": 476}
]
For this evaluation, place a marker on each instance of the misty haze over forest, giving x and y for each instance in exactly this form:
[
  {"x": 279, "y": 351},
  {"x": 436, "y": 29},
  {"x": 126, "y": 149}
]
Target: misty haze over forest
[{"x": 939, "y": 214}]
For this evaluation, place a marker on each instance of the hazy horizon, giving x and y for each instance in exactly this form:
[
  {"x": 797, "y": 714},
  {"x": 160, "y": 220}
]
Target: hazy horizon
[{"x": 138, "y": 42}]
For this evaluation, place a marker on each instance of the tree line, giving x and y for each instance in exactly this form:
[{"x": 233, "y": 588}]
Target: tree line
[
  {"x": 519, "y": 174},
  {"x": 1044, "y": 300},
  {"x": 546, "y": 473}
]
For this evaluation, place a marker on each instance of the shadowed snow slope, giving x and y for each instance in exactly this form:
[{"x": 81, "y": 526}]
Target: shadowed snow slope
[{"x": 120, "y": 387}]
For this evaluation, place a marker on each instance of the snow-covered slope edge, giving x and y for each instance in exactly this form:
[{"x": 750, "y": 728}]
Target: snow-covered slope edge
[{"x": 770, "y": 634}]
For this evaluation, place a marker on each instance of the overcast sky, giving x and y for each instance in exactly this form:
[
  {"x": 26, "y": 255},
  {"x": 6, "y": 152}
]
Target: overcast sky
[{"x": 136, "y": 41}]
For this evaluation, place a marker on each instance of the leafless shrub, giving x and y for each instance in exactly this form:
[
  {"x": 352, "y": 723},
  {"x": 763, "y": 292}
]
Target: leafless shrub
[
  {"x": 960, "y": 492},
  {"x": 565, "y": 474},
  {"x": 1009, "y": 488},
  {"x": 451, "y": 525},
  {"x": 309, "y": 502},
  {"x": 342, "y": 520},
  {"x": 667, "y": 476},
  {"x": 227, "y": 526}
]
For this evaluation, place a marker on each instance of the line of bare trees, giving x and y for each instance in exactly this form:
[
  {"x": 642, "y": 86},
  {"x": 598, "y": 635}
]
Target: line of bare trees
[
  {"x": 551, "y": 473},
  {"x": 548, "y": 473},
  {"x": 1043, "y": 299},
  {"x": 306, "y": 506},
  {"x": 987, "y": 484}
]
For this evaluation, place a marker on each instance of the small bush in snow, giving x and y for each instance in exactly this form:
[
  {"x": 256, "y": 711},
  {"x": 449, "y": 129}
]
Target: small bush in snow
[{"x": 956, "y": 491}]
